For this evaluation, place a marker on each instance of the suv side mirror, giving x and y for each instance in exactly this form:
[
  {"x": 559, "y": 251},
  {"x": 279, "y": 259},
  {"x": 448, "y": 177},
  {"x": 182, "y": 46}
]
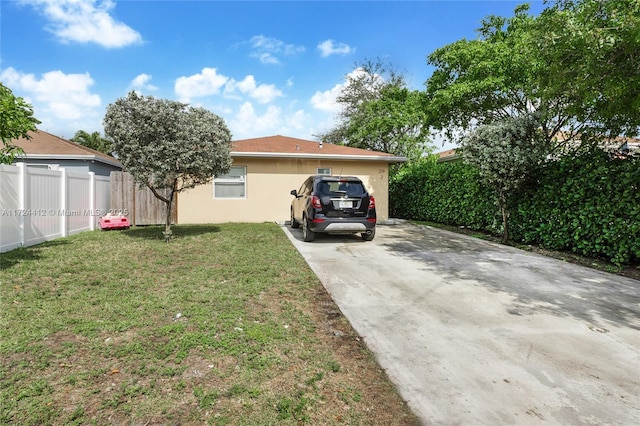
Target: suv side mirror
[{"x": 294, "y": 192}]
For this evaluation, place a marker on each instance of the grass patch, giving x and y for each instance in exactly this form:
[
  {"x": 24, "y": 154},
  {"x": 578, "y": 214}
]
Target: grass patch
[{"x": 225, "y": 324}]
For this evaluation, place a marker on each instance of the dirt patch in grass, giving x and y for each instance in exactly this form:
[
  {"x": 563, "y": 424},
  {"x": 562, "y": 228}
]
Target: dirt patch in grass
[{"x": 226, "y": 326}]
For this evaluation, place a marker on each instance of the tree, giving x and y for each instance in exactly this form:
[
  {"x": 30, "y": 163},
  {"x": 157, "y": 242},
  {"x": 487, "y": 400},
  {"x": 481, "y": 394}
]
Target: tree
[
  {"x": 505, "y": 153},
  {"x": 16, "y": 121},
  {"x": 93, "y": 141},
  {"x": 590, "y": 49},
  {"x": 365, "y": 85},
  {"x": 395, "y": 123},
  {"x": 167, "y": 145},
  {"x": 379, "y": 113},
  {"x": 492, "y": 78},
  {"x": 575, "y": 65}
]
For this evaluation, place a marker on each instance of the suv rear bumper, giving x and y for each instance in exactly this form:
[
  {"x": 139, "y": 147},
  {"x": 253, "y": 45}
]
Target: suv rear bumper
[{"x": 341, "y": 225}]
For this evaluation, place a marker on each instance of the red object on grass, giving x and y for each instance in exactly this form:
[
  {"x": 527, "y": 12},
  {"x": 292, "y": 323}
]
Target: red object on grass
[{"x": 114, "y": 222}]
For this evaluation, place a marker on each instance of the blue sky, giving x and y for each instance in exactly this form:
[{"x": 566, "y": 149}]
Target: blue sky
[{"x": 266, "y": 67}]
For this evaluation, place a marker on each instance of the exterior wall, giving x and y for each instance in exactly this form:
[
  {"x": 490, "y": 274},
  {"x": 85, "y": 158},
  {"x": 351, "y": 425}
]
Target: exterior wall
[{"x": 268, "y": 186}]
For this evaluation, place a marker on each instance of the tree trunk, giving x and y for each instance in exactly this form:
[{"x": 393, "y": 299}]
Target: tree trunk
[
  {"x": 167, "y": 226},
  {"x": 169, "y": 202},
  {"x": 505, "y": 218}
]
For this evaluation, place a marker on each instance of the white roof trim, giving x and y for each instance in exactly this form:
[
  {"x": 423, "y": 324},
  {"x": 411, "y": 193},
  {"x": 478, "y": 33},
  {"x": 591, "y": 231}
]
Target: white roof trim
[
  {"x": 385, "y": 158},
  {"x": 113, "y": 162}
]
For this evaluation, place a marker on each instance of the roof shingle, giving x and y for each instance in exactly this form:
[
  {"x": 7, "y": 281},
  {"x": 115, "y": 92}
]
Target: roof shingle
[
  {"x": 288, "y": 145},
  {"x": 43, "y": 143}
]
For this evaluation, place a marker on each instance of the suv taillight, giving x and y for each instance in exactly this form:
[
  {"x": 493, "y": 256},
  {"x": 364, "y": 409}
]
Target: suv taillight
[
  {"x": 372, "y": 203},
  {"x": 315, "y": 202}
]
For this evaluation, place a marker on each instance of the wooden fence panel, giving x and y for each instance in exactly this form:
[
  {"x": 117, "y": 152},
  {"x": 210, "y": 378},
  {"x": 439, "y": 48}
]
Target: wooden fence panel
[{"x": 142, "y": 206}]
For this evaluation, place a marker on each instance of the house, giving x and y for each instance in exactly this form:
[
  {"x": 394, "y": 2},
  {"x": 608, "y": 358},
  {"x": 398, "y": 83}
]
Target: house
[
  {"x": 48, "y": 151},
  {"x": 624, "y": 146},
  {"x": 620, "y": 146},
  {"x": 265, "y": 170},
  {"x": 449, "y": 155}
]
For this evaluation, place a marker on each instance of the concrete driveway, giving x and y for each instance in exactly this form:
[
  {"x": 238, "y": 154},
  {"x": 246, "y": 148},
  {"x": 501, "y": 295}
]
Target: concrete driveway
[{"x": 475, "y": 333}]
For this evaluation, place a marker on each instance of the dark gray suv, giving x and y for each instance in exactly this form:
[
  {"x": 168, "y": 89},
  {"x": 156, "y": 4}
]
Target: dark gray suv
[{"x": 335, "y": 205}]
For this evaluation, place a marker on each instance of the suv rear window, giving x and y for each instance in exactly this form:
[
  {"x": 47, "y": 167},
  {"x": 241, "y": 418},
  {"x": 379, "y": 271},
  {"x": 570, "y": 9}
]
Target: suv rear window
[{"x": 352, "y": 189}]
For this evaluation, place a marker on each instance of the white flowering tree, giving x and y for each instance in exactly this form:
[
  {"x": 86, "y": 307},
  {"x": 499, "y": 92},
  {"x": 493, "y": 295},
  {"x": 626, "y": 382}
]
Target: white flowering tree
[
  {"x": 167, "y": 145},
  {"x": 506, "y": 152}
]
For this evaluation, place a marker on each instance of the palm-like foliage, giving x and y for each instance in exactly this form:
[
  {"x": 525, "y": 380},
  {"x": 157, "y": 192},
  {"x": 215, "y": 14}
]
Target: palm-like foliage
[{"x": 93, "y": 140}]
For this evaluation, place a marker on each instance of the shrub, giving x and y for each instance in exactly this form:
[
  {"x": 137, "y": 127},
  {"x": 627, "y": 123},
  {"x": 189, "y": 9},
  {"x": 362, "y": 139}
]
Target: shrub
[
  {"x": 447, "y": 193},
  {"x": 588, "y": 204}
]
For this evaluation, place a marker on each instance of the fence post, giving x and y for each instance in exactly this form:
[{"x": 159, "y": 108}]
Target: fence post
[
  {"x": 22, "y": 197},
  {"x": 92, "y": 201},
  {"x": 63, "y": 201}
]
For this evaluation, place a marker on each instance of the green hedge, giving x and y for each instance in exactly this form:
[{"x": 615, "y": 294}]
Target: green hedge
[
  {"x": 447, "y": 193},
  {"x": 588, "y": 204}
]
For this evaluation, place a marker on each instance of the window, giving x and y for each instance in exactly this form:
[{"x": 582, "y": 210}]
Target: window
[
  {"x": 351, "y": 188},
  {"x": 324, "y": 171},
  {"x": 306, "y": 187},
  {"x": 231, "y": 185},
  {"x": 44, "y": 166}
]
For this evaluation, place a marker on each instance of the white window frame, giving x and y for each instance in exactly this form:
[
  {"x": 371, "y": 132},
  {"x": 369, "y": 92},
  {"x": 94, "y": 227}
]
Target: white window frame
[
  {"x": 43, "y": 166},
  {"x": 319, "y": 172},
  {"x": 228, "y": 179}
]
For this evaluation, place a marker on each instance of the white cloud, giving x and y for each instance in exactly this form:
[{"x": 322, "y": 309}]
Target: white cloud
[
  {"x": 322, "y": 125},
  {"x": 263, "y": 93},
  {"x": 141, "y": 82},
  {"x": 86, "y": 21},
  {"x": 250, "y": 122},
  {"x": 247, "y": 123},
  {"x": 326, "y": 101},
  {"x": 330, "y": 47},
  {"x": 207, "y": 83},
  {"x": 266, "y": 58},
  {"x": 56, "y": 94},
  {"x": 297, "y": 120},
  {"x": 268, "y": 49},
  {"x": 62, "y": 102}
]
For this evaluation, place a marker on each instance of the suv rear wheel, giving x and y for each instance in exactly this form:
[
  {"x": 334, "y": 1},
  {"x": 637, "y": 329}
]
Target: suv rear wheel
[
  {"x": 368, "y": 236},
  {"x": 307, "y": 234},
  {"x": 294, "y": 222}
]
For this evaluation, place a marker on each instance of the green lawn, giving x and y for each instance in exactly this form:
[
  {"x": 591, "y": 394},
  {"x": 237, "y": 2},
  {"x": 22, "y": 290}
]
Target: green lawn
[{"x": 226, "y": 324}]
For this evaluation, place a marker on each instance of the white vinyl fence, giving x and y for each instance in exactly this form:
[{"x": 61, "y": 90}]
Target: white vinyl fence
[{"x": 38, "y": 205}]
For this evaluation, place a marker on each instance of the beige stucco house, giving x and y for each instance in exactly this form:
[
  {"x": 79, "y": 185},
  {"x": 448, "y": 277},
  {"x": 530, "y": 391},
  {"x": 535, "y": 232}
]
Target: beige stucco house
[{"x": 265, "y": 170}]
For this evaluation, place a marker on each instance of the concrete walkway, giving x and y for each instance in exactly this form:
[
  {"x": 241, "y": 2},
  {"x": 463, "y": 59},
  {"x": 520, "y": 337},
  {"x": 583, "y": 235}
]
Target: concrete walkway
[{"x": 475, "y": 333}]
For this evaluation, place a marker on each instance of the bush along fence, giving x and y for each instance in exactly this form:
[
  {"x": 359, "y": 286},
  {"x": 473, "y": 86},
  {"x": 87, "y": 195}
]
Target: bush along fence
[
  {"x": 589, "y": 204},
  {"x": 38, "y": 205}
]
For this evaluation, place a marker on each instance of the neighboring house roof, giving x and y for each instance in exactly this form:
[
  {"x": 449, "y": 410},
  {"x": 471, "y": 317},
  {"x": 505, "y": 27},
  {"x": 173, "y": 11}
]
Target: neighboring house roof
[
  {"x": 448, "y": 155},
  {"x": 45, "y": 146},
  {"x": 286, "y": 147},
  {"x": 630, "y": 147},
  {"x": 617, "y": 145}
]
